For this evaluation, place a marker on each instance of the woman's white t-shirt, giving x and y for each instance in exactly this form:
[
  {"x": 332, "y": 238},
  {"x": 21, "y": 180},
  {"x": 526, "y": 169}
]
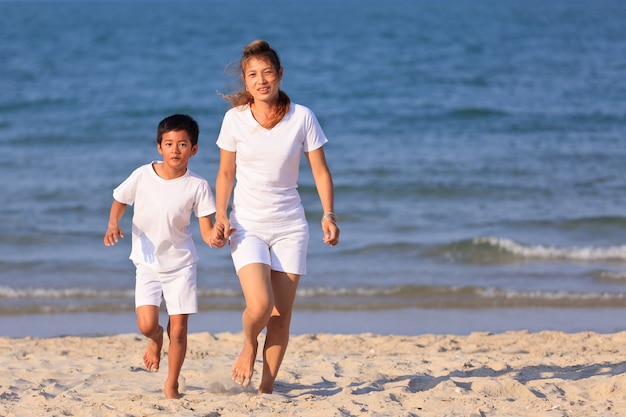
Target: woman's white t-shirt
[
  {"x": 268, "y": 161},
  {"x": 161, "y": 238}
]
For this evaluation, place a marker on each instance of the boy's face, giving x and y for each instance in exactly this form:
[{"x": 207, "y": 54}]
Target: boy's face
[{"x": 176, "y": 149}]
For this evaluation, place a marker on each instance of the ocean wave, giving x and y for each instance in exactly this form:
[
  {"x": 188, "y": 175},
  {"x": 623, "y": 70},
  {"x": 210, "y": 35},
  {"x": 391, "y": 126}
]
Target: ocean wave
[
  {"x": 361, "y": 298},
  {"x": 488, "y": 249},
  {"x": 61, "y": 293},
  {"x": 31, "y": 104},
  {"x": 397, "y": 247},
  {"x": 9, "y": 293},
  {"x": 592, "y": 222},
  {"x": 610, "y": 276},
  {"x": 475, "y": 112}
]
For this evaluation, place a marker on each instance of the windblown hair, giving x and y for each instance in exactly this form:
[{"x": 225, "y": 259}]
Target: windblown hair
[
  {"x": 178, "y": 122},
  {"x": 260, "y": 49}
]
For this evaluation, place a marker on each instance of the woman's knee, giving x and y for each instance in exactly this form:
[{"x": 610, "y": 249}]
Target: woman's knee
[
  {"x": 260, "y": 312},
  {"x": 279, "y": 323}
]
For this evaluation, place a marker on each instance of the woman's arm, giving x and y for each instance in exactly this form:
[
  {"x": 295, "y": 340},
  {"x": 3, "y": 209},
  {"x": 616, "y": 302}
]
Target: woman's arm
[
  {"x": 223, "y": 189},
  {"x": 325, "y": 189}
]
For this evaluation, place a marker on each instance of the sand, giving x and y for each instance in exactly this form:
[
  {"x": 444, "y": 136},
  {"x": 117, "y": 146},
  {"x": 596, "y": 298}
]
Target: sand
[{"x": 481, "y": 374}]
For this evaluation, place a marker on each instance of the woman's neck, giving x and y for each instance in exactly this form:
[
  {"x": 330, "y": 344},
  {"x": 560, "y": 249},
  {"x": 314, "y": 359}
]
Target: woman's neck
[{"x": 263, "y": 112}]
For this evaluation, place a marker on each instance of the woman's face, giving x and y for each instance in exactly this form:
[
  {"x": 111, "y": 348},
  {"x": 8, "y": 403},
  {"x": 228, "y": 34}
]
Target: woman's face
[{"x": 262, "y": 80}]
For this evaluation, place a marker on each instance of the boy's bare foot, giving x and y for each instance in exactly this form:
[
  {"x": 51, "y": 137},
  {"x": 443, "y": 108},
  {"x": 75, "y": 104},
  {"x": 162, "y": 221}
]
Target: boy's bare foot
[
  {"x": 171, "y": 392},
  {"x": 152, "y": 354},
  {"x": 244, "y": 366}
]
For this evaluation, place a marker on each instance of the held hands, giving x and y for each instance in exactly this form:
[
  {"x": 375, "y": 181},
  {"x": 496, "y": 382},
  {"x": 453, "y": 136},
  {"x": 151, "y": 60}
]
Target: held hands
[
  {"x": 112, "y": 235},
  {"x": 220, "y": 235}
]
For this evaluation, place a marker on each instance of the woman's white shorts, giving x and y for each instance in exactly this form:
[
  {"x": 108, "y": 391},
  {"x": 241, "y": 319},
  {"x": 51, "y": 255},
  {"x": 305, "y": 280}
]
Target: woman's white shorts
[
  {"x": 283, "y": 246},
  {"x": 178, "y": 288}
]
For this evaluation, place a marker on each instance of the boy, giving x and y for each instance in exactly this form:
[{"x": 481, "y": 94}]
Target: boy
[{"x": 164, "y": 194}]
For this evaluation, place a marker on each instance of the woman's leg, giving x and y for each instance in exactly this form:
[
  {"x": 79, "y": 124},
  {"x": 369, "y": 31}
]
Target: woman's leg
[
  {"x": 255, "y": 280},
  {"x": 284, "y": 287}
]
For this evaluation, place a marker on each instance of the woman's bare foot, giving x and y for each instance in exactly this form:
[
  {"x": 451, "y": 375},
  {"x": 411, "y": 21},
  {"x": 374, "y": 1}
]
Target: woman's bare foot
[
  {"x": 244, "y": 366},
  {"x": 152, "y": 354},
  {"x": 171, "y": 392}
]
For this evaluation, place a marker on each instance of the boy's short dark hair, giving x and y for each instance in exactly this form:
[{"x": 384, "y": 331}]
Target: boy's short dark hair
[{"x": 178, "y": 122}]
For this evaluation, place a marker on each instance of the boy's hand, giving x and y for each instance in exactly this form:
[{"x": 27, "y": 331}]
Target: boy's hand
[
  {"x": 112, "y": 235},
  {"x": 219, "y": 236}
]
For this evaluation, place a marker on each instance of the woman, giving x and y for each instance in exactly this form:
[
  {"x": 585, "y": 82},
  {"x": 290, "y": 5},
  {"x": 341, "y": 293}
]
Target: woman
[{"x": 261, "y": 141}]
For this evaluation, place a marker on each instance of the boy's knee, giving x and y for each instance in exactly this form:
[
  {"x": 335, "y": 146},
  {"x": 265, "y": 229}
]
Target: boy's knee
[
  {"x": 177, "y": 334},
  {"x": 149, "y": 329},
  {"x": 177, "y": 338}
]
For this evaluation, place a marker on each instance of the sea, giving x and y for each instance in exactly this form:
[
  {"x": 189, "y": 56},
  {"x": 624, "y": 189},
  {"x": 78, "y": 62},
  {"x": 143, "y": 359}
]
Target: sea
[{"x": 478, "y": 150}]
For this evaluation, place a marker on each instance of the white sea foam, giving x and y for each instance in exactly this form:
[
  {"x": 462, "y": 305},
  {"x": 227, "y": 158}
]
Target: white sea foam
[{"x": 611, "y": 253}]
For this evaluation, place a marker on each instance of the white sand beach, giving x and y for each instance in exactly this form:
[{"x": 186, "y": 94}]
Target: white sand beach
[{"x": 508, "y": 374}]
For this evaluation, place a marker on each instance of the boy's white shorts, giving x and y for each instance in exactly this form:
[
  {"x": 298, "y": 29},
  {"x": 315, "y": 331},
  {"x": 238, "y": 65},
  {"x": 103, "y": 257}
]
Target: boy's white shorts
[
  {"x": 178, "y": 288},
  {"x": 282, "y": 246}
]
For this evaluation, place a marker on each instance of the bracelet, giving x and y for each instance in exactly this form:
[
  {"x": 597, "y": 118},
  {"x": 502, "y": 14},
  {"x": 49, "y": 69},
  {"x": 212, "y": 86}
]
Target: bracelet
[{"x": 331, "y": 217}]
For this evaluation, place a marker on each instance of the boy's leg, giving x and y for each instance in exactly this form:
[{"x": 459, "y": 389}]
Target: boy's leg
[
  {"x": 177, "y": 332},
  {"x": 181, "y": 299},
  {"x": 148, "y": 324}
]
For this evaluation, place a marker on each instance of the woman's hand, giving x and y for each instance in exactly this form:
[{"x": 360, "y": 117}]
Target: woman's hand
[
  {"x": 221, "y": 233},
  {"x": 331, "y": 232},
  {"x": 217, "y": 238}
]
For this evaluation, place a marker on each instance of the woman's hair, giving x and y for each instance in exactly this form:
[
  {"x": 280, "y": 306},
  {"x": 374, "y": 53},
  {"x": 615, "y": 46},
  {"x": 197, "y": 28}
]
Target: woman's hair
[{"x": 260, "y": 49}]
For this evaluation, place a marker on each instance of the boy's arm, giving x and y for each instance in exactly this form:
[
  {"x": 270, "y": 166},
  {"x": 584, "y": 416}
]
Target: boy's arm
[
  {"x": 212, "y": 235},
  {"x": 206, "y": 228},
  {"x": 113, "y": 229}
]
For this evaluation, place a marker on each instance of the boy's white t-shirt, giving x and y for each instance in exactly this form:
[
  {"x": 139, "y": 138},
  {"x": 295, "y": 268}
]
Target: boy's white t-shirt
[
  {"x": 161, "y": 238},
  {"x": 268, "y": 161}
]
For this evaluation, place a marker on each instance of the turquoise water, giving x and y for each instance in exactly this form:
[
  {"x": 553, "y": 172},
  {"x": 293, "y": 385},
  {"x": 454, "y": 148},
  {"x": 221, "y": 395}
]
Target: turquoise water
[{"x": 477, "y": 149}]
